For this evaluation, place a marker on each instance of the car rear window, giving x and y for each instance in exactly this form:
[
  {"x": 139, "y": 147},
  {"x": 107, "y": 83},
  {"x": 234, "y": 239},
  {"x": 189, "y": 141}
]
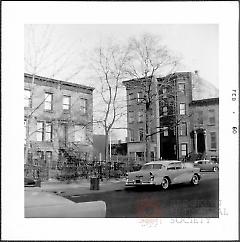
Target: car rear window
[
  {"x": 157, "y": 166},
  {"x": 147, "y": 167}
]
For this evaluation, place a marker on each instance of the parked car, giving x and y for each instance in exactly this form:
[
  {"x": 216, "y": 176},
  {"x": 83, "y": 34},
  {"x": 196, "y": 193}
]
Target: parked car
[
  {"x": 206, "y": 165},
  {"x": 40, "y": 204},
  {"x": 30, "y": 182},
  {"x": 164, "y": 173}
]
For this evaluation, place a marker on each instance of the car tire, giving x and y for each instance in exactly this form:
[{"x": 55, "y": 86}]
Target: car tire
[
  {"x": 165, "y": 183},
  {"x": 214, "y": 169},
  {"x": 195, "y": 180}
]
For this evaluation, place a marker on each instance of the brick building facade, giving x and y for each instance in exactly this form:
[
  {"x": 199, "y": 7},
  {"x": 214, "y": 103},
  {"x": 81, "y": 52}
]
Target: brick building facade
[
  {"x": 58, "y": 115},
  {"x": 176, "y": 112},
  {"x": 205, "y": 127}
]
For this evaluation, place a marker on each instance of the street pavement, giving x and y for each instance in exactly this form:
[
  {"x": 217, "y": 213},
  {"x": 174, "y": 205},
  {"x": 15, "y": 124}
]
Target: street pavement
[{"x": 181, "y": 200}]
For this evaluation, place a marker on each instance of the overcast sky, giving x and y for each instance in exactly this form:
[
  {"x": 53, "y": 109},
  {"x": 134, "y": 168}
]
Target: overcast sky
[{"x": 196, "y": 44}]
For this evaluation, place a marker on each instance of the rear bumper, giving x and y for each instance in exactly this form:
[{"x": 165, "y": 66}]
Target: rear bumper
[{"x": 133, "y": 183}]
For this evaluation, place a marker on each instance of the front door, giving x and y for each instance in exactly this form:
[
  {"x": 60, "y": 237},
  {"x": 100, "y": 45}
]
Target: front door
[{"x": 200, "y": 143}]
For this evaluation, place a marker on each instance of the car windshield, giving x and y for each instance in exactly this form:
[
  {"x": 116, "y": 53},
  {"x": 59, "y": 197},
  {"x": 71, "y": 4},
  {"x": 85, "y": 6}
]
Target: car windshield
[{"x": 152, "y": 166}]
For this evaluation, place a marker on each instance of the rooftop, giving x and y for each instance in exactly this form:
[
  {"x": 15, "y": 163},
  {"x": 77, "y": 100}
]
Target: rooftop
[
  {"x": 55, "y": 81},
  {"x": 203, "y": 102}
]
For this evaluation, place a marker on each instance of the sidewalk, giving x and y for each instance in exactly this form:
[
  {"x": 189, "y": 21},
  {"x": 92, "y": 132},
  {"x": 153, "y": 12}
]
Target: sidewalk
[{"x": 82, "y": 187}]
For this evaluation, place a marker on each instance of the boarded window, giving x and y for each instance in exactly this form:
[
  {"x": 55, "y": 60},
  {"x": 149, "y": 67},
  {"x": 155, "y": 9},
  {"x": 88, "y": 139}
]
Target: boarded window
[
  {"x": 131, "y": 116},
  {"x": 213, "y": 139},
  {"x": 211, "y": 113}
]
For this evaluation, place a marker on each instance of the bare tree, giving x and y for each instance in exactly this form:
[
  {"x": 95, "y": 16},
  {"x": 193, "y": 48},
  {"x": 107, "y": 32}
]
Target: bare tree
[
  {"x": 149, "y": 59},
  {"x": 45, "y": 56},
  {"x": 109, "y": 63}
]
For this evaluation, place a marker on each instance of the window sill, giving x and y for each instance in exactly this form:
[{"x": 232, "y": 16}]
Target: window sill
[
  {"x": 211, "y": 124},
  {"x": 48, "y": 111},
  {"x": 214, "y": 150}
]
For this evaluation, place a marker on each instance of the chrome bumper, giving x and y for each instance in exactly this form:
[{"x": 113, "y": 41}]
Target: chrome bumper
[{"x": 134, "y": 183}]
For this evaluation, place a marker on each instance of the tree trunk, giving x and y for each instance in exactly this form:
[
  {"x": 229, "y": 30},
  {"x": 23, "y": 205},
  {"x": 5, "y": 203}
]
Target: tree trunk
[
  {"x": 147, "y": 138},
  {"x": 106, "y": 147}
]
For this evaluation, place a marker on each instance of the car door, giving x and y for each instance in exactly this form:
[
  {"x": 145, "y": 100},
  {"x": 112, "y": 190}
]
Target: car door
[
  {"x": 174, "y": 172},
  {"x": 209, "y": 165},
  {"x": 181, "y": 173}
]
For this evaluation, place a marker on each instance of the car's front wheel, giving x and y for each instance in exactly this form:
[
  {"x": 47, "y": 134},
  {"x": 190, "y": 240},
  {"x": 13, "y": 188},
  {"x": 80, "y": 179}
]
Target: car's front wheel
[
  {"x": 195, "y": 179},
  {"x": 165, "y": 183}
]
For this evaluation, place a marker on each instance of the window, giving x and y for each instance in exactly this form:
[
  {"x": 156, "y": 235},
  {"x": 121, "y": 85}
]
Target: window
[
  {"x": 139, "y": 97},
  {"x": 165, "y": 131},
  {"x": 182, "y": 108},
  {"x": 165, "y": 111},
  {"x": 49, "y": 157},
  {"x": 130, "y": 98},
  {"x": 141, "y": 133},
  {"x": 183, "y": 129},
  {"x": 214, "y": 159},
  {"x": 66, "y": 102},
  {"x": 200, "y": 117},
  {"x": 132, "y": 154},
  {"x": 183, "y": 149},
  {"x": 48, "y": 101},
  {"x": 40, "y": 155},
  {"x": 131, "y": 116},
  {"x": 83, "y": 105},
  {"x": 140, "y": 116},
  {"x": 164, "y": 91},
  {"x": 39, "y": 131},
  {"x": 211, "y": 116},
  {"x": 181, "y": 87},
  {"x": 48, "y": 132},
  {"x": 80, "y": 133},
  {"x": 213, "y": 140},
  {"x": 131, "y": 135},
  {"x": 157, "y": 166},
  {"x": 27, "y": 98}
]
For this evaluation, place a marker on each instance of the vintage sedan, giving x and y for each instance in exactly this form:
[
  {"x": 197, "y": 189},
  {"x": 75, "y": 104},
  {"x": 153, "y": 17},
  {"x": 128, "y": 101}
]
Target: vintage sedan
[
  {"x": 164, "y": 173},
  {"x": 206, "y": 165}
]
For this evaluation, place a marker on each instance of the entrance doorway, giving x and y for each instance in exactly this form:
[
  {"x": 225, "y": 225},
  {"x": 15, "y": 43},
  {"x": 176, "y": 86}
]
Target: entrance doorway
[{"x": 200, "y": 142}]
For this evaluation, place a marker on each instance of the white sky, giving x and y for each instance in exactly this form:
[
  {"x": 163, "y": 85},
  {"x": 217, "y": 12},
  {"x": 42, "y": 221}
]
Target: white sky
[{"x": 197, "y": 44}]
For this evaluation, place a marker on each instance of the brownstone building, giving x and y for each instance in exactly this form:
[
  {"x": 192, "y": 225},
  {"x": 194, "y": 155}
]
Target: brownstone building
[
  {"x": 175, "y": 109},
  {"x": 57, "y": 115},
  {"x": 205, "y": 127}
]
